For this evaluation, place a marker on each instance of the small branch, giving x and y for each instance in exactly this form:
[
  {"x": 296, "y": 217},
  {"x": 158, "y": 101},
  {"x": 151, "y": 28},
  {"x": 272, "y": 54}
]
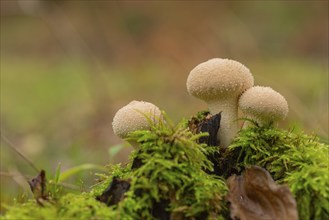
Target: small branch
[{"x": 12, "y": 146}]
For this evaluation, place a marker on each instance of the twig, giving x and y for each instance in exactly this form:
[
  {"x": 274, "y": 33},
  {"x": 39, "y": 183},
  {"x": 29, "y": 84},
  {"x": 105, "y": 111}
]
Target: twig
[
  {"x": 12, "y": 146},
  {"x": 28, "y": 177}
]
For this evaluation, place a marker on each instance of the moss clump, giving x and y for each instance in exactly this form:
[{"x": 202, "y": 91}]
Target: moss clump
[
  {"x": 69, "y": 206},
  {"x": 168, "y": 181},
  {"x": 298, "y": 160}
]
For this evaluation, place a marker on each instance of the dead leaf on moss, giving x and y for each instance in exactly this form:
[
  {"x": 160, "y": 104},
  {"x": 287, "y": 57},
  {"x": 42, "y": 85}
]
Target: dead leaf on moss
[
  {"x": 255, "y": 196},
  {"x": 38, "y": 187}
]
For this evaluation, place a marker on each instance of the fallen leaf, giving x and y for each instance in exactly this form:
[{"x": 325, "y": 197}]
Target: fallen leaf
[
  {"x": 255, "y": 196},
  {"x": 38, "y": 187}
]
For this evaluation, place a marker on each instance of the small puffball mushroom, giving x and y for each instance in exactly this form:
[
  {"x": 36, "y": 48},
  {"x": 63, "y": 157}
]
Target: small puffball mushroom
[
  {"x": 220, "y": 82},
  {"x": 263, "y": 105},
  {"x": 135, "y": 116}
]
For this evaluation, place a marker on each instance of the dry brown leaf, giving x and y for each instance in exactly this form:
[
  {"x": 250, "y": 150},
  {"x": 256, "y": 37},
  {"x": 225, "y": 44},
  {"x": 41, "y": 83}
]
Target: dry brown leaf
[{"x": 255, "y": 196}]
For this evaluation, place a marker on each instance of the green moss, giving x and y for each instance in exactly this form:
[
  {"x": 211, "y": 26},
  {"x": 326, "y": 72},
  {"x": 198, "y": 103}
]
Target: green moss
[
  {"x": 296, "y": 159},
  {"x": 29, "y": 210},
  {"x": 167, "y": 176},
  {"x": 172, "y": 172},
  {"x": 70, "y": 206},
  {"x": 116, "y": 170},
  {"x": 82, "y": 206},
  {"x": 170, "y": 181}
]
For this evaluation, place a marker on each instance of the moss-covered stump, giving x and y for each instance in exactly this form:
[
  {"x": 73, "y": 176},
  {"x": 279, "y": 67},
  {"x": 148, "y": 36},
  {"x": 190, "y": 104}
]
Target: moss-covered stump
[
  {"x": 301, "y": 161},
  {"x": 175, "y": 174},
  {"x": 168, "y": 183}
]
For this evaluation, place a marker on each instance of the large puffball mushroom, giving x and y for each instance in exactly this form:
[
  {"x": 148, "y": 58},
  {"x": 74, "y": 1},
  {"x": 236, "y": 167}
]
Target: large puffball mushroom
[
  {"x": 220, "y": 82},
  {"x": 137, "y": 115},
  {"x": 263, "y": 105}
]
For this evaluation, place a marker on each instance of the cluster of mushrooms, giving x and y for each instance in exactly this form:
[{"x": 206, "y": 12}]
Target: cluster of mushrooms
[{"x": 226, "y": 86}]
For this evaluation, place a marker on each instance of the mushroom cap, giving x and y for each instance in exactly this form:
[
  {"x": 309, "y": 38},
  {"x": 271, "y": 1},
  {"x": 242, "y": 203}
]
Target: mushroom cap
[
  {"x": 135, "y": 116},
  {"x": 218, "y": 78},
  {"x": 264, "y": 103}
]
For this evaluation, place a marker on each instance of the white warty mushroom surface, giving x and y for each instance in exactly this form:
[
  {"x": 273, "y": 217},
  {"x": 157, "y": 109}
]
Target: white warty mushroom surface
[{"x": 135, "y": 116}]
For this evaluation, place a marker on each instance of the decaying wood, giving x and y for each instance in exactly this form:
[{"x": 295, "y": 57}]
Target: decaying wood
[
  {"x": 210, "y": 125},
  {"x": 114, "y": 193}
]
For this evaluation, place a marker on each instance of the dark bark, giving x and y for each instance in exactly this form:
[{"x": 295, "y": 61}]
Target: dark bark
[{"x": 114, "y": 193}]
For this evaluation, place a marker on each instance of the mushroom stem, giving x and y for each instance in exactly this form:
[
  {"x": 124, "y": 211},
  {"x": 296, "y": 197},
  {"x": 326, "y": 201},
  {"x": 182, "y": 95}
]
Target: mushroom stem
[
  {"x": 228, "y": 124},
  {"x": 219, "y": 82}
]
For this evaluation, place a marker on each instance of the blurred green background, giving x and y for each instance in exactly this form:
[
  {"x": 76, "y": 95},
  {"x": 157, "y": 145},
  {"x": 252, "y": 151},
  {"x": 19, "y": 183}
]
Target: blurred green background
[{"x": 68, "y": 66}]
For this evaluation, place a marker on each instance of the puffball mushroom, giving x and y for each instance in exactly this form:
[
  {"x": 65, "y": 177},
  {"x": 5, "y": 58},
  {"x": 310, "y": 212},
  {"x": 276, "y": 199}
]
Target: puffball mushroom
[
  {"x": 220, "y": 82},
  {"x": 135, "y": 116},
  {"x": 263, "y": 105}
]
